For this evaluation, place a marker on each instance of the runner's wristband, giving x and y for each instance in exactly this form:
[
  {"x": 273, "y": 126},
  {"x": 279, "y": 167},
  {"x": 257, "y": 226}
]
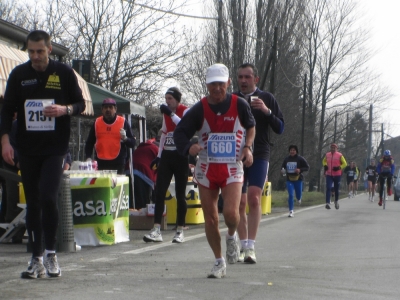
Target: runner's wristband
[{"x": 250, "y": 148}]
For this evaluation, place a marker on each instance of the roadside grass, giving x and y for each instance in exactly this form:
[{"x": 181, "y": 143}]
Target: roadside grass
[{"x": 279, "y": 198}]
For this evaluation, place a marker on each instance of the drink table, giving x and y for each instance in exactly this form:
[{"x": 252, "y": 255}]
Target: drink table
[{"x": 100, "y": 208}]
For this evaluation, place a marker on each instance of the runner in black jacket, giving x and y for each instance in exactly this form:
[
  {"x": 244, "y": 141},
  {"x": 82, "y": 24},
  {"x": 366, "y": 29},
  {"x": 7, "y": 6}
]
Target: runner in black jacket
[
  {"x": 293, "y": 166},
  {"x": 44, "y": 93}
]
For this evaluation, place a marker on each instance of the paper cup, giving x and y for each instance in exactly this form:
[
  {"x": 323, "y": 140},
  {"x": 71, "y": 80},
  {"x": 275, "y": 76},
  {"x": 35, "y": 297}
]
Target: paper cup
[{"x": 46, "y": 103}]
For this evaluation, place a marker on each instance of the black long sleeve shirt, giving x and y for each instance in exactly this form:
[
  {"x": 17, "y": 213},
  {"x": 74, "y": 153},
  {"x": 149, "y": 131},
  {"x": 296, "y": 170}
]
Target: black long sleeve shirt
[
  {"x": 263, "y": 122},
  {"x": 57, "y": 82}
]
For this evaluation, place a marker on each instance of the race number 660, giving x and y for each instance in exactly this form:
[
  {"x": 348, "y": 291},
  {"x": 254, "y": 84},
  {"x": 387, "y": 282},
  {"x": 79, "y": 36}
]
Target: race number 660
[{"x": 221, "y": 147}]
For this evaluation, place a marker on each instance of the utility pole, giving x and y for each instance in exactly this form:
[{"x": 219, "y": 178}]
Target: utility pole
[
  {"x": 304, "y": 113},
  {"x": 382, "y": 140},
  {"x": 347, "y": 131},
  {"x": 334, "y": 134},
  {"x": 219, "y": 35},
  {"x": 369, "y": 136}
]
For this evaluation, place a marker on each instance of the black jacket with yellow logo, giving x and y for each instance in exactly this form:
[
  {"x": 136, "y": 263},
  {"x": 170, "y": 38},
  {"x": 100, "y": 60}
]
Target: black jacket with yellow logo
[{"x": 58, "y": 82}]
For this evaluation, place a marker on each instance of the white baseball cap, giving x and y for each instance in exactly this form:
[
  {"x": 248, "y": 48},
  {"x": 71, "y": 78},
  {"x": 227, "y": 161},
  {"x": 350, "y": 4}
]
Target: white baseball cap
[{"x": 217, "y": 72}]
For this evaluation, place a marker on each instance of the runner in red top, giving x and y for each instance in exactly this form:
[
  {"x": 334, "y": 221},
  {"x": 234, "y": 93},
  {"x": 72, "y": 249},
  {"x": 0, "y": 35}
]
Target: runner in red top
[
  {"x": 170, "y": 163},
  {"x": 226, "y": 132}
]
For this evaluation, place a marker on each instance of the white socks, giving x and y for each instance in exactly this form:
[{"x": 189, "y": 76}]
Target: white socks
[
  {"x": 48, "y": 252},
  {"x": 250, "y": 244}
]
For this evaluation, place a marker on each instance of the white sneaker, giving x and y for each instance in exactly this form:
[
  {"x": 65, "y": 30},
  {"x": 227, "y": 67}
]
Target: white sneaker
[
  {"x": 51, "y": 264},
  {"x": 179, "y": 237},
  {"x": 291, "y": 214},
  {"x": 337, "y": 204},
  {"x": 218, "y": 270},
  {"x": 299, "y": 201},
  {"x": 35, "y": 269},
  {"x": 241, "y": 256},
  {"x": 250, "y": 256},
  {"x": 350, "y": 195},
  {"x": 372, "y": 198},
  {"x": 232, "y": 250},
  {"x": 153, "y": 236}
]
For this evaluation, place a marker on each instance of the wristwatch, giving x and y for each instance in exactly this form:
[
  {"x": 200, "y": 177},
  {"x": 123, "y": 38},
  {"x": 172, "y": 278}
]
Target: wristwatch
[
  {"x": 69, "y": 110},
  {"x": 250, "y": 147}
]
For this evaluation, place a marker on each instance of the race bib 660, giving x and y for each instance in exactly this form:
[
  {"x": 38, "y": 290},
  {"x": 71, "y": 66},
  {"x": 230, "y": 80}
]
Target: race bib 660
[{"x": 221, "y": 148}]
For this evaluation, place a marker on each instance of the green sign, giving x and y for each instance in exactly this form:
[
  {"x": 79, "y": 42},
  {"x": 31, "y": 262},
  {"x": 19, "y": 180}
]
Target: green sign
[{"x": 100, "y": 210}]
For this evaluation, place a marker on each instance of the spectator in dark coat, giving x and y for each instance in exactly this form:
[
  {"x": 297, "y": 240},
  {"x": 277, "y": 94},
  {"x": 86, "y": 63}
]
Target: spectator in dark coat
[{"x": 144, "y": 176}]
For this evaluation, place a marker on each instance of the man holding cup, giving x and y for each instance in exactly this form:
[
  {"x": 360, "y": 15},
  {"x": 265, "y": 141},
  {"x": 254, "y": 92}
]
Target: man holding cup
[
  {"x": 267, "y": 114},
  {"x": 111, "y": 136}
]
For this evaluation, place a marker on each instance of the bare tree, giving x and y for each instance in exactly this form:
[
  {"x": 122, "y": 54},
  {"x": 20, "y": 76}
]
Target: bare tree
[
  {"x": 248, "y": 28},
  {"x": 17, "y": 13},
  {"x": 133, "y": 49},
  {"x": 336, "y": 57}
]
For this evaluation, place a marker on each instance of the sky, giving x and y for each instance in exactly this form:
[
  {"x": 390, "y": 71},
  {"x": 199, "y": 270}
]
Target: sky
[{"x": 385, "y": 37}]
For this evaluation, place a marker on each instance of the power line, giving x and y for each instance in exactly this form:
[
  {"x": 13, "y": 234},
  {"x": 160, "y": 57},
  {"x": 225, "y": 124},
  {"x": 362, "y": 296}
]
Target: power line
[
  {"x": 297, "y": 86},
  {"x": 197, "y": 17},
  {"x": 172, "y": 12}
]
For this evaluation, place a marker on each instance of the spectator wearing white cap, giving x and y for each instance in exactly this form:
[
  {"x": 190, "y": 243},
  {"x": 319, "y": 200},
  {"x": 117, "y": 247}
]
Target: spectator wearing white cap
[
  {"x": 226, "y": 130},
  {"x": 111, "y": 136}
]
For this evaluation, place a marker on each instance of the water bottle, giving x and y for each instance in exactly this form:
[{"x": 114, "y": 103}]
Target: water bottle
[{"x": 283, "y": 172}]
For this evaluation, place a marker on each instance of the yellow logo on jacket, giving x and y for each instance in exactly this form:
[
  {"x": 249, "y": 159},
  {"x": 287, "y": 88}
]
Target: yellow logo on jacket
[{"x": 53, "y": 82}]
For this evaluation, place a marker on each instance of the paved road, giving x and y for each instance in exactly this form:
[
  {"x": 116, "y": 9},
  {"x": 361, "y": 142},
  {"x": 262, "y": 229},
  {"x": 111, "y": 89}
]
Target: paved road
[{"x": 350, "y": 253}]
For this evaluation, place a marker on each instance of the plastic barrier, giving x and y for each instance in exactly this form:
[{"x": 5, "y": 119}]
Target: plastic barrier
[
  {"x": 21, "y": 192},
  {"x": 194, "y": 214}
]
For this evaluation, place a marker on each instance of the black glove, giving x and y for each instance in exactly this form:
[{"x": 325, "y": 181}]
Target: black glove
[
  {"x": 326, "y": 168},
  {"x": 154, "y": 164},
  {"x": 165, "y": 110},
  {"x": 336, "y": 168}
]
